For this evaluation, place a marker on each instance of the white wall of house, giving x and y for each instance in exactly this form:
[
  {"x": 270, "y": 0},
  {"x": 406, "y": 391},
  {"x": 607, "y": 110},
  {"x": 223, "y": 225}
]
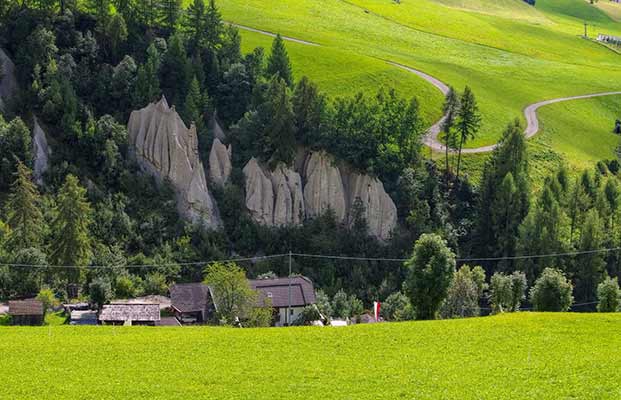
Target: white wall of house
[{"x": 282, "y": 315}]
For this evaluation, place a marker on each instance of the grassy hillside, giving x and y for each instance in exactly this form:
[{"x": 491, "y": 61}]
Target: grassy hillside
[
  {"x": 342, "y": 73},
  {"x": 521, "y": 356},
  {"x": 581, "y": 131},
  {"x": 509, "y": 63}
]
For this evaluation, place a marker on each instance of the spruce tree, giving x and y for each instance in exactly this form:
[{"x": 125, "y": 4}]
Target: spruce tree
[
  {"x": 309, "y": 109},
  {"x": 509, "y": 157},
  {"x": 279, "y": 133},
  {"x": 72, "y": 242},
  {"x": 468, "y": 121},
  {"x": 192, "y": 107},
  {"x": 450, "y": 109},
  {"x": 24, "y": 216},
  {"x": 589, "y": 268},
  {"x": 168, "y": 12},
  {"x": 195, "y": 25},
  {"x": 174, "y": 70},
  {"x": 278, "y": 62}
]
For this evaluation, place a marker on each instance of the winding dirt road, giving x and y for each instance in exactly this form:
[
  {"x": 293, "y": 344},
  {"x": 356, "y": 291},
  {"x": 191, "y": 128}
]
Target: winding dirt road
[{"x": 431, "y": 137}]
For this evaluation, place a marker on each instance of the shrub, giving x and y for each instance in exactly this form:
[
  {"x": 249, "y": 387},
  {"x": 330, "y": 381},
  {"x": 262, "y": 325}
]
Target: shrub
[
  {"x": 463, "y": 295},
  {"x": 431, "y": 270},
  {"x": 49, "y": 300},
  {"x": 100, "y": 291},
  {"x": 507, "y": 291},
  {"x": 608, "y": 294},
  {"x": 155, "y": 283},
  {"x": 397, "y": 307},
  {"x": 552, "y": 291}
]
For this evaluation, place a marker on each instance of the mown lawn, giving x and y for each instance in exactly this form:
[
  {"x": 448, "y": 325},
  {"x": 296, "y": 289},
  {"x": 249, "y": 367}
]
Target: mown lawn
[{"x": 521, "y": 356}]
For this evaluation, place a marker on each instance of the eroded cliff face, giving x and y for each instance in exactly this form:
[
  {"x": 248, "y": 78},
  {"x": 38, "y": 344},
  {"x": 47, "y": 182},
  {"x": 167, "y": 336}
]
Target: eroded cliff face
[
  {"x": 8, "y": 83},
  {"x": 379, "y": 209},
  {"x": 41, "y": 152},
  {"x": 165, "y": 148},
  {"x": 284, "y": 197},
  {"x": 259, "y": 193},
  {"x": 324, "y": 186},
  {"x": 219, "y": 163}
]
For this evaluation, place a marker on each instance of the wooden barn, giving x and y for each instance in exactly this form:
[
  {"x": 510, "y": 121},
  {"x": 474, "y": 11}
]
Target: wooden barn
[
  {"x": 130, "y": 314},
  {"x": 192, "y": 302},
  {"x": 26, "y": 312}
]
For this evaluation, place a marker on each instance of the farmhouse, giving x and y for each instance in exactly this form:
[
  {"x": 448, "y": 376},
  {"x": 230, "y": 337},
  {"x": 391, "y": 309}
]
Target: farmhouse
[
  {"x": 130, "y": 314},
  {"x": 296, "y": 292},
  {"x": 192, "y": 302},
  {"x": 26, "y": 312}
]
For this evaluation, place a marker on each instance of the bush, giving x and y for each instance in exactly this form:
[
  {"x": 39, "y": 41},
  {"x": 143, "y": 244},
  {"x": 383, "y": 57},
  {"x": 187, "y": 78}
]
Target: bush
[
  {"x": 100, "y": 291},
  {"x": 608, "y": 294},
  {"x": 397, "y": 307},
  {"x": 507, "y": 291},
  {"x": 344, "y": 306},
  {"x": 49, "y": 300},
  {"x": 463, "y": 295},
  {"x": 155, "y": 283},
  {"x": 552, "y": 291},
  {"x": 308, "y": 315},
  {"x": 431, "y": 270}
]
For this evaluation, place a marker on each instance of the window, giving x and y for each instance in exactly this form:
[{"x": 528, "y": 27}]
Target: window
[{"x": 291, "y": 311}]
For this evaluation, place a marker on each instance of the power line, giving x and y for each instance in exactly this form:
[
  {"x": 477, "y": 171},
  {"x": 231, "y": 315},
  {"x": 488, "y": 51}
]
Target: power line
[
  {"x": 305, "y": 255},
  {"x": 195, "y": 263}
]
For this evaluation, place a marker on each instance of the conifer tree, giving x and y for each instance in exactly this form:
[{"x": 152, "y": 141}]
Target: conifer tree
[
  {"x": 309, "y": 106},
  {"x": 24, "y": 216},
  {"x": 72, "y": 242},
  {"x": 174, "y": 70},
  {"x": 280, "y": 129},
  {"x": 589, "y": 268},
  {"x": 168, "y": 12},
  {"x": 278, "y": 62},
  {"x": 509, "y": 157},
  {"x": 147, "y": 80},
  {"x": 192, "y": 107},
  {"x": 468, "y": 121},
  {"x": 450, "y": 109}
]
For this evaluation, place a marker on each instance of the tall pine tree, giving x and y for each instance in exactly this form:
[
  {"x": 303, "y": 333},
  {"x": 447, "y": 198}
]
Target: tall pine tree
[
  {"x": 70, "y": 228},
  {"x": 24, "y": 216},
  {"x": 468, "y": 121},
  {"x": 278, "y": 62}
]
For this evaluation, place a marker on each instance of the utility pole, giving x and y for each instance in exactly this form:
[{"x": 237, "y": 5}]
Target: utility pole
[
  {"x": 585, "y": 30},
  {"x": 289, "y": 304}
]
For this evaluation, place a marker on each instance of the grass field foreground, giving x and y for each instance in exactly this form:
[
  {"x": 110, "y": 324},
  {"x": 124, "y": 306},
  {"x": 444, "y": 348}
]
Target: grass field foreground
[{"x": 518, "y": 356}]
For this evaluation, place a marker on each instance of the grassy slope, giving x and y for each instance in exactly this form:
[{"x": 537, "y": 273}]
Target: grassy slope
[
  {"x": 581, "y": 131},
  {"x": 508, "y": 63},
  {"x": 522, "y": 356},
  {"x": 340, "y": 73}
]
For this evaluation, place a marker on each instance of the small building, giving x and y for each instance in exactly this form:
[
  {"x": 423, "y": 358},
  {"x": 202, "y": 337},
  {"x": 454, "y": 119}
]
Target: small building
[
  {"x": 83, "y": 317},
  {"x": 26, "y": 312},
  {"x": 130, "y": 314},
  {"x": 192, "y": 303},
  {"x": 277, "y": 292}
]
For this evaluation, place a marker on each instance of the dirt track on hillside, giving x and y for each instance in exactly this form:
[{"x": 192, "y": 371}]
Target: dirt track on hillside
[{"x": 431, "y": 137}]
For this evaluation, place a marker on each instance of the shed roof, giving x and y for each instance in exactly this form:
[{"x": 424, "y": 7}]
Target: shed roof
[
  {"x": 26, "y": 307},
  {"x": 190, "y": 297},
  {"x": 302, "y": 291},
  {"x": 130, "y": 312}
]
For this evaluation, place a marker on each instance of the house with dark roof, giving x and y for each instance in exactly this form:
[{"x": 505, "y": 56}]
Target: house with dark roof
[
  {"x": 26, "y": 312},
  {"x": 293, "y": 294},
  {"x": 130, "y": 314},
  {"x": 192, "y": 303}
]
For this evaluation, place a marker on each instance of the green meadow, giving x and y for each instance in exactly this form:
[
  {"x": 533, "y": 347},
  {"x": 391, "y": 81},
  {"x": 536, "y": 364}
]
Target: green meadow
[
  {"x": 517, "y": 356},
  {"x": 581, "y": 131},
  {"x": 510, "y": 53}
]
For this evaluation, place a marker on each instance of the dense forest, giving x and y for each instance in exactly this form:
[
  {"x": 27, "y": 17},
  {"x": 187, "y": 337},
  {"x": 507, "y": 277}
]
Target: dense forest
[{"x": 84, "y": 66}]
